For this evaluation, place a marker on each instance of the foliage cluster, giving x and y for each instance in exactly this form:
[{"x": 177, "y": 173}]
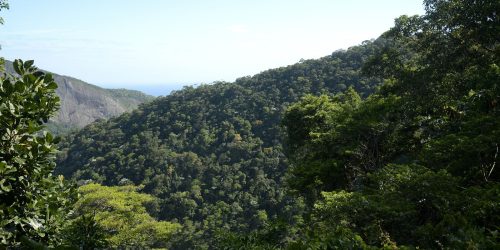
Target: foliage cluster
[
  {"x": 116, "y": 217},
  {"x": 414, "y": 164},
  {"x": 34, "y": 205},
  {"x": 408, "y": 165},
  {"x": 213, "y": 155}
]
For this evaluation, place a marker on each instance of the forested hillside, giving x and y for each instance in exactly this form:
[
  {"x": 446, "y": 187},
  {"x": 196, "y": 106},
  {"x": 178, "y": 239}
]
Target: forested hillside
[
  {"x": 213, "y": 154},
  {"x": 392, "y": 144},
  {"x": 414, "y": 165},
  {"x": 389, "y": 144},
  {"x": 82, "y": 103}
]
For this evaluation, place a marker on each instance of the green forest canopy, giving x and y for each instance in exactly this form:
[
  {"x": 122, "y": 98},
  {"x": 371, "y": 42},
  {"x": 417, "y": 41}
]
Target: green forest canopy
[
  {"x": 406, "y": 157},
  {"x": 389, "y": 144},
  {"x": 213, "y": 154}
]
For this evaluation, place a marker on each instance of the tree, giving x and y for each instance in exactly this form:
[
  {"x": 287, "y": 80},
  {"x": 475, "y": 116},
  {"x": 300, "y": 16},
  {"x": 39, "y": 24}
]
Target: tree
[
  {"x": 213, "y": 155},
  {"x": 33, "y": 203},
  {"x": 85, "y": 232},
  {"x": 3, "y": 5},
  {"x": 121, "y": 213},
  {"x": 420, "y": 153}
]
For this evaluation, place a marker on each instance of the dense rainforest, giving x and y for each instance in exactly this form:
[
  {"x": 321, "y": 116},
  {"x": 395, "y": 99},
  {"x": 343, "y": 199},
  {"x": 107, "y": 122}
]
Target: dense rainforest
[
  {"x": 389, "y": 144},
  {"x": 213, "y": 155}
]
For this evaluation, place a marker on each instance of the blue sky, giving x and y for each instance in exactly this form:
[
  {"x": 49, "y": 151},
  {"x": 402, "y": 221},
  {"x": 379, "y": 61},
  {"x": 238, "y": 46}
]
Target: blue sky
[{"x": 133, "y": 44}]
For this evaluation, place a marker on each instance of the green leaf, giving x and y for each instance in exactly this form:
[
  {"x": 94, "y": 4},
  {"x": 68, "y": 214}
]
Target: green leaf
[
  {"x": 5, "y": 188},
  {"x": 28, "y": 64},
  {"x": 48, "y": 137},
  {"x": 12, "y": 108},
  {"x": 56, "y": 140},
  {"x": 18, "y": 66},
  {"x": 52, "y": 85}
]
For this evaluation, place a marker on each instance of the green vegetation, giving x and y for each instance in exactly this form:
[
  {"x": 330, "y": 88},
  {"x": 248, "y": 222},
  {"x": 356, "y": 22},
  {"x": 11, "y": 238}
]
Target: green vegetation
[
  {"x": 213, "y": 154},
  {"x": 413, "y": 164},
  {"x": 39, "y": 210},
  {"x": 120, "y": 217},
  {"x": 392, "y": 144},
  {"x": 129, "y": 99},
  {"x": 3, "y": 5},
  {"x": 34, "y": 204}
]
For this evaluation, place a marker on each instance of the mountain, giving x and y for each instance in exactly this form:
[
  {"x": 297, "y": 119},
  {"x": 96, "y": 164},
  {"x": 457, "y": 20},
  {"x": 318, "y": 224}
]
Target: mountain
[
  {"x": 214, "y": 154},
  {"x": 83, "y": 103}
]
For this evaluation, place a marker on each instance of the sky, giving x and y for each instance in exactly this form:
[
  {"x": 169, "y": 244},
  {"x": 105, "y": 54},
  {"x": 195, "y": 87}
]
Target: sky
[{"x": 165, "y": 43}]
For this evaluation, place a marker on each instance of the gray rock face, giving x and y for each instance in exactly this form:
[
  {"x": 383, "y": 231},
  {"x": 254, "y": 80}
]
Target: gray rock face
[{"x": 83, "y": 103}]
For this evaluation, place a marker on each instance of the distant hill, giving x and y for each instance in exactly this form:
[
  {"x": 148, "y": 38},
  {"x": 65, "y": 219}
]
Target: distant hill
[{"x": 83, "y": 103}]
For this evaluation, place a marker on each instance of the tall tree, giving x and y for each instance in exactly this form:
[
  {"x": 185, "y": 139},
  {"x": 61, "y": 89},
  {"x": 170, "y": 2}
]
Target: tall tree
[{"x": 121, "y": 215}]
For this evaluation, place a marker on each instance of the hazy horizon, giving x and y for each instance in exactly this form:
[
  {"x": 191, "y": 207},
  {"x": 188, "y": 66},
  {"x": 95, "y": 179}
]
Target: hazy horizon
[
  {"x": 150, "y": 89},
  {"x": 166, "y": 45}
]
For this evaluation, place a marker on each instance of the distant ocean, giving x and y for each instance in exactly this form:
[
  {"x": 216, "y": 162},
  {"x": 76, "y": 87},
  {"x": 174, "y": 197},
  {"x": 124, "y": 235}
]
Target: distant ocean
[
  {"x": 157, "y": 90},
  {"x": 153, "y": 89}
]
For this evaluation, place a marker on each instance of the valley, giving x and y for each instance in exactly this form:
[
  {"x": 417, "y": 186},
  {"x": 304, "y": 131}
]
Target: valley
[{"x": 390, "y": 144}]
